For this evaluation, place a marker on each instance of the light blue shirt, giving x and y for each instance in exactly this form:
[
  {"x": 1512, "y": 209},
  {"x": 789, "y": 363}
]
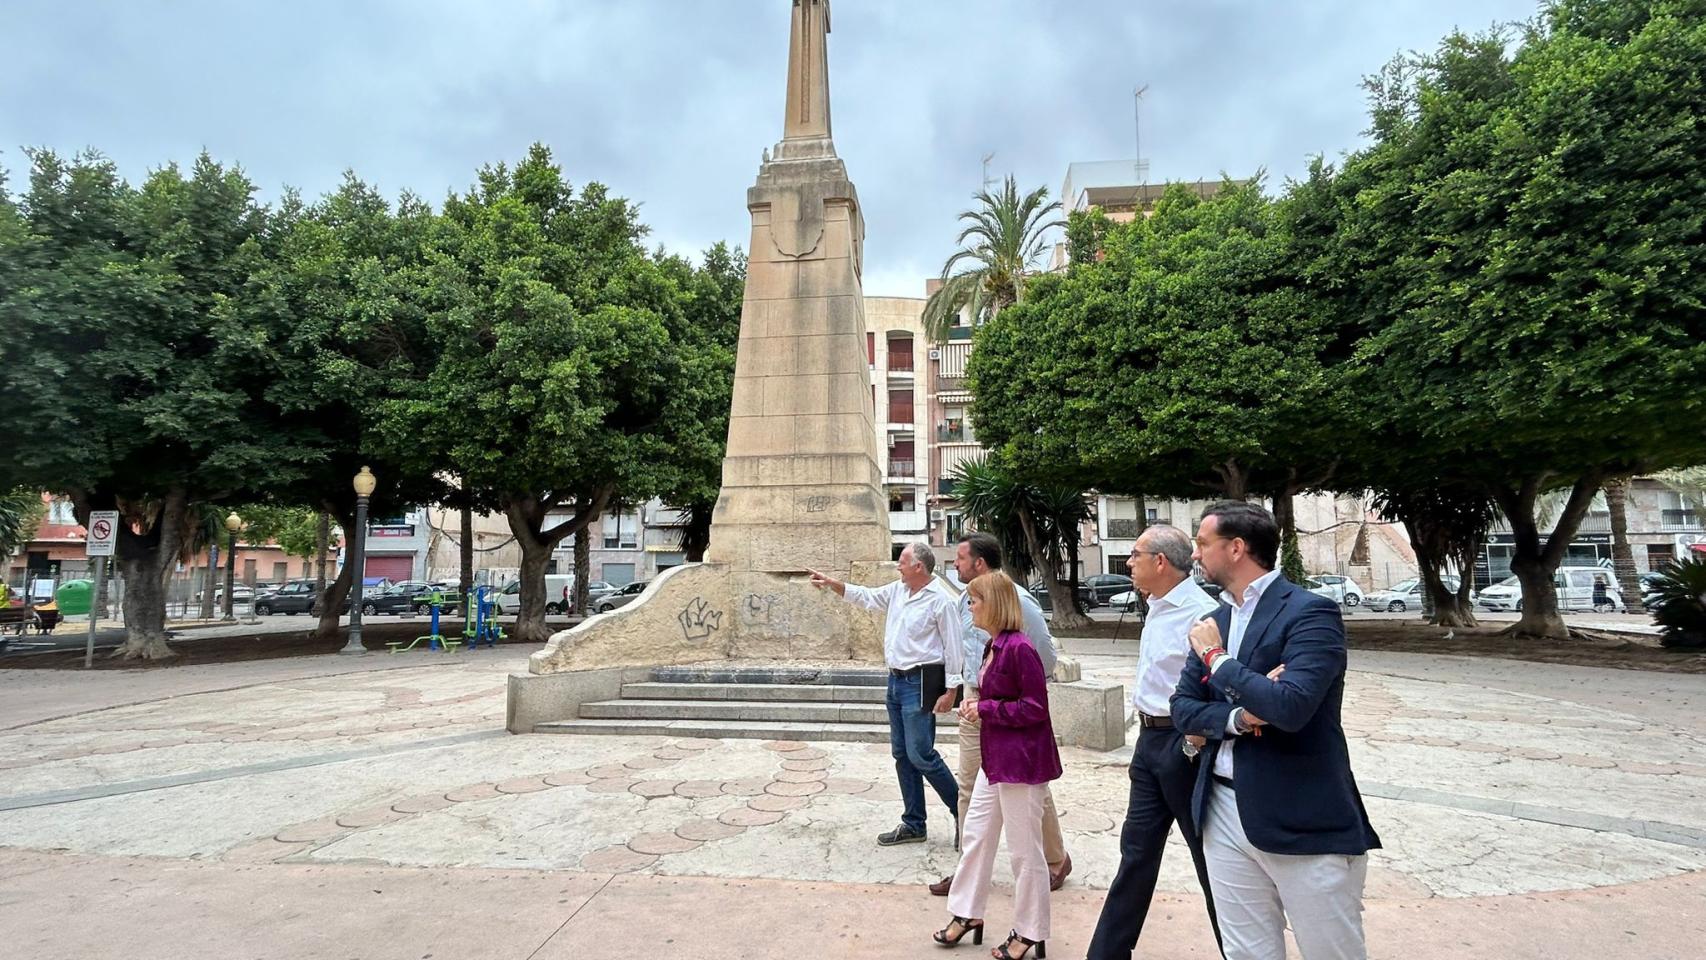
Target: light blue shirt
[{"x": 1036, "y": 628}]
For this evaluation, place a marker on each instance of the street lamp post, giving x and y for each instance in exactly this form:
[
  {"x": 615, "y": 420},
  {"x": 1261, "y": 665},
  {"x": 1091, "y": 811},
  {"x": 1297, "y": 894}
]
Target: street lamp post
[
  {"x": 364, "y": 484},
  {"x": 233, "y": 523}
]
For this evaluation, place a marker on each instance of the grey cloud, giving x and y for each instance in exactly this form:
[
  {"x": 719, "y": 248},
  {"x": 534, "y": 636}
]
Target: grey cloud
[{"x": 670, "y": 101}]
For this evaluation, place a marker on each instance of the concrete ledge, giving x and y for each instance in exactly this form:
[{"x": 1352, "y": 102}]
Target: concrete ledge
[
  {"x": 540, "y": 698},
  {"x": 1088, "y": 713}
]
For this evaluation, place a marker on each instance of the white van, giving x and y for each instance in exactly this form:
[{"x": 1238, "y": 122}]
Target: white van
[
  {"x": 559, "y": 588},
  {"x": 1574, "y": 586}
]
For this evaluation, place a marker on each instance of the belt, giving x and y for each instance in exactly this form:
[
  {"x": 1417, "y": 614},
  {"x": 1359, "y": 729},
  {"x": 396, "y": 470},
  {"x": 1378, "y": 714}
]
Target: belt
[
  {"x": 1223, "y": 781},
  {"x": 1148, "y": 722},
  {"x": 909, "y": 671}
]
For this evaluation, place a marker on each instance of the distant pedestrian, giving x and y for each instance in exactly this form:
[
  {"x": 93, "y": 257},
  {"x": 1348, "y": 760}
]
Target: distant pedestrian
[{"x": 1601, "y": 595}]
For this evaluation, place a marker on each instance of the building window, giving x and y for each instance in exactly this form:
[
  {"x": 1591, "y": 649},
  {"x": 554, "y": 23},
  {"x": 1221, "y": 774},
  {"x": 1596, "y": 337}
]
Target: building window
[
  {"x": 61, "y": 511},
  {"x": 871, "y": 348},
  {"x": 622, "y": 532},
  {"x": 617, "y": 574},
  {"x": 903, "y": 500},
  {"x": 900, "y": 406},
  {"x": 900, "y": 354},
  {"x": 1152, "y": 515},
  {"x": 956, "y": 527},
  {"x": 901, "y": 462}
]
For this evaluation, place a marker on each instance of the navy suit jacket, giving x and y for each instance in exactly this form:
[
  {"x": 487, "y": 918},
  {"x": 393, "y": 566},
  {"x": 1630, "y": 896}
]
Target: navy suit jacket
[{"x": 1295, "y": 791}]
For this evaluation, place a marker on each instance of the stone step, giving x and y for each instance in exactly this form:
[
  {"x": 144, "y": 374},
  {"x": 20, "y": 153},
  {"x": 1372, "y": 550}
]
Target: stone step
[
  {"x": 787, "y": 692},
  {"x": 946, "y": 733},
  {"x": 834, "y": 675},
  {"x": 808, "y": 712}
]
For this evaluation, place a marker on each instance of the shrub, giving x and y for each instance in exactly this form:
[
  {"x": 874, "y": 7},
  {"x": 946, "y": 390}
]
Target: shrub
[{"x": 1679, "y": 603}]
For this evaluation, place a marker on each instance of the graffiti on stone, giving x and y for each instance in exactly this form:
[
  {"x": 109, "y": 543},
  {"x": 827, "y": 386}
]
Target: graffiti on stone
[
  {"x": 817, "y": 503},
  {"x": 758, "y": 608},
  {"x": 699, "y": 620}
]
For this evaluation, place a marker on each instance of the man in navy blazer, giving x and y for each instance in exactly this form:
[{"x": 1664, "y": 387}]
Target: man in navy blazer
[{"x": 1283, "y": 825}]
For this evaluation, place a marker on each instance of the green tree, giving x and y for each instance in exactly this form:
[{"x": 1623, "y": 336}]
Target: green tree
[
  {"x": 563, "y": 370},
  {"x": 1007, "y": 243},
  {"x": 119, "y": 346},
  {"x": 1037, "y": 526},
  {"x": 1187, "y": 360},
  {"x": 21, "y": 511},
  {"x": 1524, "y": 237}
]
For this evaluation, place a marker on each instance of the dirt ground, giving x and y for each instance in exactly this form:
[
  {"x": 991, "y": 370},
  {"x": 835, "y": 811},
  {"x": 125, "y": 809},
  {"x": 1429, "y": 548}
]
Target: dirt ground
[{"x": 1589, "y": 648}]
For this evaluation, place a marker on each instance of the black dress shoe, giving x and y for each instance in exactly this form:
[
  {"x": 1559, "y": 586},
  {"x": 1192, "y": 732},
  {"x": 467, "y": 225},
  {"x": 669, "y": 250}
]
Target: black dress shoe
[{"x": 900, "y": 834}]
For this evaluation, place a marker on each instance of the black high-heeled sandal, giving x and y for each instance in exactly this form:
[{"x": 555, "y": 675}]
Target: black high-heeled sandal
[
  {"x": 1002, "y": 953},
  {"x": 967, "y": 925}
]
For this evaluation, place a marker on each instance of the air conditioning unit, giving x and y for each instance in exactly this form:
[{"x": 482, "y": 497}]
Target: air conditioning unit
[
  {"x": 935, "y": 353},
  {"x": 936, "y": 515}
]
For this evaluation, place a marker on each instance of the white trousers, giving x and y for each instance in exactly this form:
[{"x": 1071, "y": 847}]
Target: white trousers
[
  {"x": 1017, "y": 810},
  {"x": 1255, "y": 892}
]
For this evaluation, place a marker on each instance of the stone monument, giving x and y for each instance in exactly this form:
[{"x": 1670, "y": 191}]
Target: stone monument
[{"x": 802, "y": 488}]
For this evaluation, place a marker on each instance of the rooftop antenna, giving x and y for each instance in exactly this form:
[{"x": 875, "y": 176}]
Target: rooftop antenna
[{"x": 1139, "y": 167}]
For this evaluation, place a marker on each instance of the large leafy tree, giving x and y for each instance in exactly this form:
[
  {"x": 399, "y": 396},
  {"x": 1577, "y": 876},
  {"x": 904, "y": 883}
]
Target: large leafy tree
[
  {"x": 1525, "y": 236},
  {"x": 1186, "y": 359},
  {"x": 563, "y": 374},
  {"x": 118, "y": 347},
  {"x": 1002, "y": 243}
]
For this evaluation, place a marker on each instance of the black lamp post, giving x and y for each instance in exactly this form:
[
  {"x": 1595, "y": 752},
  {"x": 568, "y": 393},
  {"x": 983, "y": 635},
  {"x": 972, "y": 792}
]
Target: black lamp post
[{"x": 364, "y": 484}]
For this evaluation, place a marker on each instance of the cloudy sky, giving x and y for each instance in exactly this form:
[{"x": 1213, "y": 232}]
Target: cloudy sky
[{"x": 671, "y": 101}]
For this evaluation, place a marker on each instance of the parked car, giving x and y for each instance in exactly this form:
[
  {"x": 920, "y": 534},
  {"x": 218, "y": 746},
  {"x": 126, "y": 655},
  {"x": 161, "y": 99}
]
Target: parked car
[
  {"x": 621, "y": 598},
  {"x": 1124, "y": 602},
  {"x": 1339, "y": 589},
  {"x": 1573, "y": 584},
  {"x": 1649, "y": 586},
  {"x": 1406, "y": 594},
  {"x": 1096, "y": 590},
  {"x": 396, "y": 600},
  {"x": 296, "y": 596},
  {"x": 559, "y": 594}
]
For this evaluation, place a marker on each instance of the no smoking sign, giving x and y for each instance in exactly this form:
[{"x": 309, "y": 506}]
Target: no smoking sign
[{"x": 103, "y": 533}]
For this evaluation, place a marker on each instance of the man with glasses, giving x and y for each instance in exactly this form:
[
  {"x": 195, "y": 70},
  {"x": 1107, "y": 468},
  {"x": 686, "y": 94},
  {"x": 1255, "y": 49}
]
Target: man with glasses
[
  {"x": 1283, "y": 825},
  {"x": 1162, "y": 776}
]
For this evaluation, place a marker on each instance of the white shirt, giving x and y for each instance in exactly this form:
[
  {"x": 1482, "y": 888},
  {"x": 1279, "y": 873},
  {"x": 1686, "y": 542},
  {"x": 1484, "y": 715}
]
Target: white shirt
[
  {"x": 1241, "y": 614},
  {"x": 922, "y": 627},
  {"x": 1166, "y": 644},
  {"x": 1036, "y": 629}
]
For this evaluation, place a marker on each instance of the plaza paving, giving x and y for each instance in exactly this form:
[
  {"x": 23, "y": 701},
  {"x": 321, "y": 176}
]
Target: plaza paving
[{"x": 326, "y": 808}]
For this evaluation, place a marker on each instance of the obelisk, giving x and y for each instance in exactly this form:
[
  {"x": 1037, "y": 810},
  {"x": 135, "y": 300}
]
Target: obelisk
[{"x": 802, "y": 487}]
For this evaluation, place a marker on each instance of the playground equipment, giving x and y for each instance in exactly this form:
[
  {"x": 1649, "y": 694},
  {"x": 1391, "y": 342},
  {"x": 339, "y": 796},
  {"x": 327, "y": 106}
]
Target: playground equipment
[
  {"x": 435, "y": 641},
  {"x": 482, "y": 619}
]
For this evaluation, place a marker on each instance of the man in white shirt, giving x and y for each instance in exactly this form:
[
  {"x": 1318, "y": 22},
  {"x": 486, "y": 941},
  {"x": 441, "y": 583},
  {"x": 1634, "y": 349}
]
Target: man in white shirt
[
  {"x": 1162, "y": 776},
  {"x": 922, "y": 628},
  {"x": 975, "y": 555},
  {"x": 1284, "y": 829}
]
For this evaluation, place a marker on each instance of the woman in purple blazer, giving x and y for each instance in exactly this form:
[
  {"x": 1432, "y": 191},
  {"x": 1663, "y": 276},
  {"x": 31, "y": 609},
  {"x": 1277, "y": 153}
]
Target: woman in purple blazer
[{"x": 1019, "y": 759}]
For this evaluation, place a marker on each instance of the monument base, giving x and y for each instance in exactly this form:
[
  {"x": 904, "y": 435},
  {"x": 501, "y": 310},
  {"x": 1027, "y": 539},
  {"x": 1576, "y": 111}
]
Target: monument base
[{"x": 711, "y": 611}]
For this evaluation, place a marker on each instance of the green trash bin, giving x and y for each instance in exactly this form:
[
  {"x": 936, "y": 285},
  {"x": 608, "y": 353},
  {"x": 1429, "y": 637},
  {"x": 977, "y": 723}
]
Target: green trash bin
[{"x": 75, "y": 597}]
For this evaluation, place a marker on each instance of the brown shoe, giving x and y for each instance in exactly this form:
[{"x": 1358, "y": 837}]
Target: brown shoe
[
  {"x": 940, "y": 888},
  {"x": 1058, "y": 880}
]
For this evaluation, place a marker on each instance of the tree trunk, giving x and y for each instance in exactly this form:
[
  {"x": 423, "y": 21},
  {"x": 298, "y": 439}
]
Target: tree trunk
[
  {"x": 1535, "y": 565},
  {"x": 329, "y": 602},
  {"x": 1067, "y": 615},
  {"x": 526, "y": 515},
  {"x": 1622, "y": 555},
  {"x": 583, "y": 567},
  {"x": 322, "y": 544},
  {"x": 1291, "y": 557},
  {"x": 144, "y": 560},
  {"x": 1234, "y": 482},
  {"x": 466, "y": 578},
  {"x": 208, "y": 581}
]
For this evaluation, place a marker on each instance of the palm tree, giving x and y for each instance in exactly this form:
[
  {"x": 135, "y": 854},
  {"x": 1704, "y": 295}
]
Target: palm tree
[
  {"x": 1006, "y": 236},
  {"x": 1036, "y": 526},
  {"x": 21, "y": 511}
]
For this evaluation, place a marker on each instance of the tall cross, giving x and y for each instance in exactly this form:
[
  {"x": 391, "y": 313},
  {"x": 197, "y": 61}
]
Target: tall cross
[{"x": 808, "y": 72}]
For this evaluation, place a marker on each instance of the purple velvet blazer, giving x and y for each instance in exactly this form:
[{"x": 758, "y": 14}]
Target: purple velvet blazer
[{"x": 1012, "y": 709}]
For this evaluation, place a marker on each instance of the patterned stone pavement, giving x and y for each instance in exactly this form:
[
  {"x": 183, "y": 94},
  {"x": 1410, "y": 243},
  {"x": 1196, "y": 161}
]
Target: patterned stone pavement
[{"x": 1478, "y": 793}]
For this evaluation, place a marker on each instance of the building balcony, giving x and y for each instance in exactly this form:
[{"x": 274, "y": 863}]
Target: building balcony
[
  {"x": 1124, "y": 529},
  {"x": 903, "y": 468},
  {"x": 900, "y": 363},
  {"x": 1680, "y": 521},
  {"x": 954, "y": 435},
  {"x": 946, "y": 486}
]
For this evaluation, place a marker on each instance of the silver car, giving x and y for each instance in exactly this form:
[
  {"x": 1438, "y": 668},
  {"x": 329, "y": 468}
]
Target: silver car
[{"x": 622, "y": 597}]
